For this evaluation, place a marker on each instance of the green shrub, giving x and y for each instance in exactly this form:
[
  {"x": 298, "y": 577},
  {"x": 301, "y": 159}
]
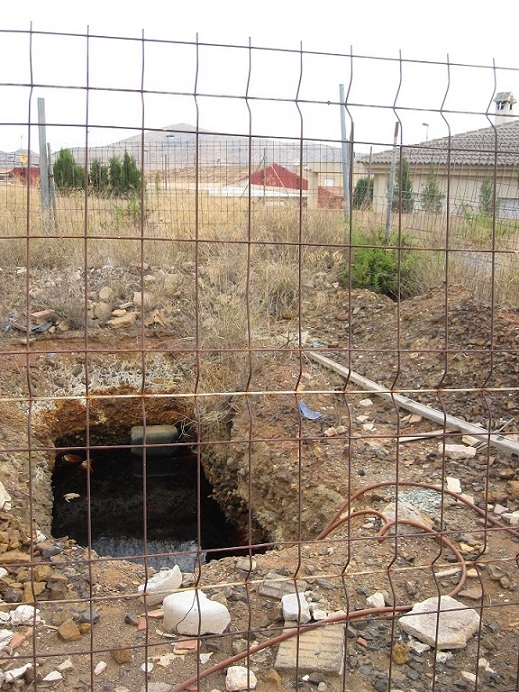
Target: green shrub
[
  {"x": 486, "y": 196},
  {"x": 68, "y": 175},
  {"x": 403, "y": 199},
  {"x": 99, "y": 177},
  {"x": 363, "y": 193},
  {"x": 377, "y": 264},
  {"x": 432, "y": 197}
]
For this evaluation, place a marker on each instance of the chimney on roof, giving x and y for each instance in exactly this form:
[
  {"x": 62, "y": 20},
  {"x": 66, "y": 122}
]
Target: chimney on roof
[{"x": 504, "y": 101}]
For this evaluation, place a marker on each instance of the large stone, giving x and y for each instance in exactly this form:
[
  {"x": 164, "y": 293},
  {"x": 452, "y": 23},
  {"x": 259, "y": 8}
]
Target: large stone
[
  {"x": 162, "y": 584},
  {"x": 141, "y": 298},
  {"x": 406, "y": 512},
  {"x": 239, "y": 678},
  {"x": 24, "y": 615},
  {"x": 451, "y": 630},
  {"x": 453, "y": 484},
  {"x": 456, "y": 451},
  {"x": 123, "y": 321},
  {"x": 296, "y": 608},
  {"x": 12, "y": 557},
  {"x": 102, "y": 311},
  {"x": 42, "y": 572},
  {"x": 53, "y": 676},
  {"x": 121, "y": 656},
  {"x": 16, "y": 673},
  {"x": 58, "y": 585},
  {"x": 68, "y": 631},
  {"x": 191, "y": 612},
  {"x": 105, "y": 293},
  {"x": 271, "y": 681},
  {"x": 511, "y": 518},
  {"x": 376, "y": 600},
  {"x": 32, "y": 589}
]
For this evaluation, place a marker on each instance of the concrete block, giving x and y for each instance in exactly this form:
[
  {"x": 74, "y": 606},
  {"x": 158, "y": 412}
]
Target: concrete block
[{"x": 319, "y": 651}]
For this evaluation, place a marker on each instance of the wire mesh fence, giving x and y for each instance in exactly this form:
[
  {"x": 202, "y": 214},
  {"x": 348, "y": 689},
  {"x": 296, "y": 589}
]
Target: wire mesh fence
[{"x": 259, "y": 412}]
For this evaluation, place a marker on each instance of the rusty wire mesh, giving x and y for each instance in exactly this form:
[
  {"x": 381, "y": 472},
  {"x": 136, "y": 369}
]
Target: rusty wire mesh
[{"x": 219, "y": 300}]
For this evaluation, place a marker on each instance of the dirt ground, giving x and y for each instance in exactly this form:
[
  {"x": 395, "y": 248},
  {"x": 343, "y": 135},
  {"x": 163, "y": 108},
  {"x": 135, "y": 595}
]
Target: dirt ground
[{"x": 283, "y": 476}]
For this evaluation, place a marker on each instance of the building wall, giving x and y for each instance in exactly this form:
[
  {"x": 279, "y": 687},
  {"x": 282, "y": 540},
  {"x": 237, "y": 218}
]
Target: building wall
[
  {"x": 23, "y": 173},
  {"x": 464, "y": 187},
  {"x": 328, "y": 175}
]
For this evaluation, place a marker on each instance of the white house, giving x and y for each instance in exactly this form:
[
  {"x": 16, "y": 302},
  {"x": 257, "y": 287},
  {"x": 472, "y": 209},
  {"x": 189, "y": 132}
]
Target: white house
[{"x": 461, "y": 163}]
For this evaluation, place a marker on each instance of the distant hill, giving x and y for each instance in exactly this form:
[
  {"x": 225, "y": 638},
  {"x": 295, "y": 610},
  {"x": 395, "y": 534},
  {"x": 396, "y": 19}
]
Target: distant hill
[{"x": 175, "y": 146}]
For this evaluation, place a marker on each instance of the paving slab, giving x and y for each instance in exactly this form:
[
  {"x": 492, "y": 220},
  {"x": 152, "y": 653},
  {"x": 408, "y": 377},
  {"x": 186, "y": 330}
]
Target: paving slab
[{"x": 320, "y": 651}]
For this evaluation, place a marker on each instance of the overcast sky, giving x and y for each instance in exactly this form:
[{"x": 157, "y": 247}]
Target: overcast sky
[{"x": 421, "y": 33}]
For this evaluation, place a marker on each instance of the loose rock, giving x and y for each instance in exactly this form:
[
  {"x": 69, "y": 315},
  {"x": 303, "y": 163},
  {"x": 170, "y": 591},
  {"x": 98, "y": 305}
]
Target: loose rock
[
  {"x": 121, "y": 656},
  {"x": 296, "y": 608},
  {"x": 68, "y": 631},
  {"x": 456, "y": 451},
  {"x": 456, "y": 623},
  {"x": 240, "y": 678}
]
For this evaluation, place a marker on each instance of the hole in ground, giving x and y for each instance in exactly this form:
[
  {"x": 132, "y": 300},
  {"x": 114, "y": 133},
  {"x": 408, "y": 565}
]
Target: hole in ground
[{"x": 117, "y": 492}]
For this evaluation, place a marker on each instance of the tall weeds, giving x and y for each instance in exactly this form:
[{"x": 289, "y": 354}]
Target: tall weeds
[{"x": 239, "y": 242}]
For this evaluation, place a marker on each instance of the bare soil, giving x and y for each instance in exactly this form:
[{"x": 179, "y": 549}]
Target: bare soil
[{"x": 282, "y": 477}]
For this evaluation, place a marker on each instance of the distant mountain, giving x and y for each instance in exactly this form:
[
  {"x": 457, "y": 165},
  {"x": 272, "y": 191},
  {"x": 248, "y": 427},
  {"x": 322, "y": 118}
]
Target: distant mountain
[{"x": 179, "y": 145}]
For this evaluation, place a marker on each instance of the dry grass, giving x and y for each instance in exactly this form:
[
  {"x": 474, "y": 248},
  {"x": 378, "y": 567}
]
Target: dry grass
[
  {"x": 234, "y": 272},
  {"x": 260, "y": 249}
]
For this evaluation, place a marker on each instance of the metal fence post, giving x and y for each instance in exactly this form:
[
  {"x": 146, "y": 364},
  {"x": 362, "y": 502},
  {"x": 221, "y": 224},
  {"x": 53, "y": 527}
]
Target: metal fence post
[
  {"x": 345, "y": 147},
  {"x": 391, "y": 186},
  {"x": 44, "y": 164}
]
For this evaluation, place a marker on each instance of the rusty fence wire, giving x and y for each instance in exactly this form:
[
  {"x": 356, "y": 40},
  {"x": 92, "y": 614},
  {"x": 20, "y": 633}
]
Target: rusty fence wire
[{"x": 259, "y": 368}]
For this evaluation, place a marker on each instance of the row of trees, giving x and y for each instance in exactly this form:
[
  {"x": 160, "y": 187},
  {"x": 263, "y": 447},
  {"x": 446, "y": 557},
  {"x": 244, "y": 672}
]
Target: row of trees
[
  {"x": 431, "y": 197},
  {"x": 120, "y": 177}
]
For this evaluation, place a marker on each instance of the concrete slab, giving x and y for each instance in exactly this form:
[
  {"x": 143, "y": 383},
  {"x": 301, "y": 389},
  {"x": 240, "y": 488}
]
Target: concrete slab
[{"x": 320, "y": 651}]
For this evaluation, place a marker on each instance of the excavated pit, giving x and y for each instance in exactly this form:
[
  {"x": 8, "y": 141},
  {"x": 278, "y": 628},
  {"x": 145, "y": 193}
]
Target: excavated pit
[
  {"x": 125, "y": 506},
  {"x": 118, "y": 503}
]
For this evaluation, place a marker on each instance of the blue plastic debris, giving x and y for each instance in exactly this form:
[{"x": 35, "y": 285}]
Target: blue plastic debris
[{"x": 308, "y": 413}]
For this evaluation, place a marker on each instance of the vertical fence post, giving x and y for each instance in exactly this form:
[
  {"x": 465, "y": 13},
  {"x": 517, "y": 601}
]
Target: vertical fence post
[
  {"x": 345, "y": 148},
  {"x": 44, "y": 164},
  {"x": 52, "y": 187},
  {"x": 391, "y": 185}
]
